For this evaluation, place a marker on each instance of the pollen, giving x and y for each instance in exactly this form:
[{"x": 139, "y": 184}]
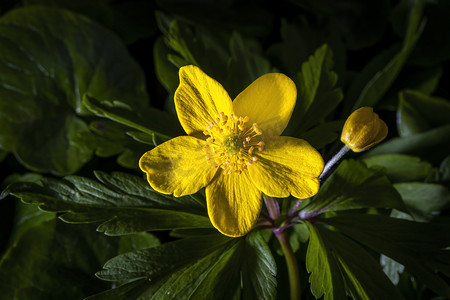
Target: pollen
[{"x": 232, "y": 144}]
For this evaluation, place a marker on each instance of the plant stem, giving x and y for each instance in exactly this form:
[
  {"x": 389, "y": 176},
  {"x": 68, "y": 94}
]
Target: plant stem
[
  {"x": 333, "y": 161},
  {"x": 291, "y": 262}
]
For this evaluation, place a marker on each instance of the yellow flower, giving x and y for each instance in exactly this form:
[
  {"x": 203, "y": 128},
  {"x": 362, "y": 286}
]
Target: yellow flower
[
  {"x": 234, "y": 149},
  {"x": 363, "y": 130}
]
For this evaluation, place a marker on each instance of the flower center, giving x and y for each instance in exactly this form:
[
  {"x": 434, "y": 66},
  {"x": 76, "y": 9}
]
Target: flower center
[{"x": 232, "y": 144}]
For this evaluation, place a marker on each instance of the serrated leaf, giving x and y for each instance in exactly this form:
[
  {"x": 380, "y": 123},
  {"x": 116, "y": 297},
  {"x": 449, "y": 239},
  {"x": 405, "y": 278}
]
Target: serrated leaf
[
  {"x": 420, "y": 247},
  {"x": 194, "y": 45},
  {"x": 325, "y": 278},
  {"x": 157, "y": 124},
  {"x": 207, "y": 267},
  {"x": 123, "y": 203},
  {"x": 400, "y": 167},
  {"x": 418, "y": 112},
  {"x": 341, "y": 267},
  {"x": 353, "y": 186},
  {"x": 47, "y": 65},
  {"x": 318, "y": 95},
  {"x": 424, "y": 200}
]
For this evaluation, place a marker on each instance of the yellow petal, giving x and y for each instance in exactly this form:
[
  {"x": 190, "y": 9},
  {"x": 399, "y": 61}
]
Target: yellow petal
[
  {"x": 199, "y": 99},
  {"x": 287, "y": 166},
  {"x": 234, "y": 203},
  {"x": 269, "y": 102},
  {"x": 177, "y": 166}
]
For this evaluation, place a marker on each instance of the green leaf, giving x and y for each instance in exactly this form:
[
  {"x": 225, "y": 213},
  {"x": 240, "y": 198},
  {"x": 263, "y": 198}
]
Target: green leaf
[
  {"x": 165, "y": 71},
  {"x": 131, "y": 290},
  {"x": 158, "y": 125},
  {"x": 443, "y": 174},
  {"x": 420, "y": 247},
  {"x": 249, "y": 17},
  {"x": 208, "y": 267},
  {"x": 317, "y": 93},
  {"x": 180, "y": 39},
  {"x": 433, "y": 46},
  {"x": 245, "y": 64},
  {"x": 425, "y": 80},
  {"x": 300, "y": 38},
  {"x": 130, "y": 20},
  {"x": 340, "y": 267},
  {"x": 400, "y": 167},
  {"x": 353, "y": 186},
  {"x": 424, "y": 200},
  {"x": 432, "y": 145},
  {"x": 382, "y": 80},
  {"x": 323, "y": 134},
  {"x": 123, "y": 203},
  {"x": 3, "y": 155},
  {"x": 360, "y": 23},
  {"x": 47, "y": 65},
  {"x": 258, "y": 269},
  {"x": 50, "y": 252},
  {"x": 194, "y": 45},
  {"x": 418, "y": 112},
  {"x": 360, "y": 79}
]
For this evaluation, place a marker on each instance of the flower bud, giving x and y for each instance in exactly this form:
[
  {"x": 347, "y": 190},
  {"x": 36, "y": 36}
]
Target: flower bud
[{"x": 363, "y": 130}]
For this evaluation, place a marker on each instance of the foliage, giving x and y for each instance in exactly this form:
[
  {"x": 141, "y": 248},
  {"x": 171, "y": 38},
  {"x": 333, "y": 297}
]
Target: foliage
[{"x": 76, "y": 79}]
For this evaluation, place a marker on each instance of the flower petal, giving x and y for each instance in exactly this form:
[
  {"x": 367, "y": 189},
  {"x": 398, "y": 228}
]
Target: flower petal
[
  {"x": 234, "y": 203},
  {"x": 199, "y": 99},
  {"x": 269, "y": 102},
  {"x": 287, "y": 166},
  {"x": 177, "y": 166}
]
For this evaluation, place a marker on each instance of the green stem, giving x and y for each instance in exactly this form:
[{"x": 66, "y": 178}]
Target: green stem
[{"x": 291, "y": 262}]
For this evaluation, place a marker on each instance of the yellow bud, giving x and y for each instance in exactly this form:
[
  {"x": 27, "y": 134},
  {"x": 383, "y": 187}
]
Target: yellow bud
[{"x": 363, "y": 130}]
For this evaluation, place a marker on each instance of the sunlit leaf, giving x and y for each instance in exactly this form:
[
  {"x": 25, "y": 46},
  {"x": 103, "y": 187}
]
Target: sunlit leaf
[
  {"x": 208, "y": 267},
  {"x": 123, "y": 203},
  {"x": 317, "y": 93},
  {"x": 341, "y": 267},
  {"x": 353, "y": 186}
]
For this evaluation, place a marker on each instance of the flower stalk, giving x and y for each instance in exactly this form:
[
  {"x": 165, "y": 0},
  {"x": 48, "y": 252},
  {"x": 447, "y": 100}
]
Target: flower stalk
[
  {"x": 280, "y": 232},
  {"x": 336, "y": 158},
  {"x": 292, "y": 266}
]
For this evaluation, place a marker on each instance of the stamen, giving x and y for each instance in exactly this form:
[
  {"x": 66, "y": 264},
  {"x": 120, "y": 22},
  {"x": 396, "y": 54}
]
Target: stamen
[{"x": 232, "y": 145}]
